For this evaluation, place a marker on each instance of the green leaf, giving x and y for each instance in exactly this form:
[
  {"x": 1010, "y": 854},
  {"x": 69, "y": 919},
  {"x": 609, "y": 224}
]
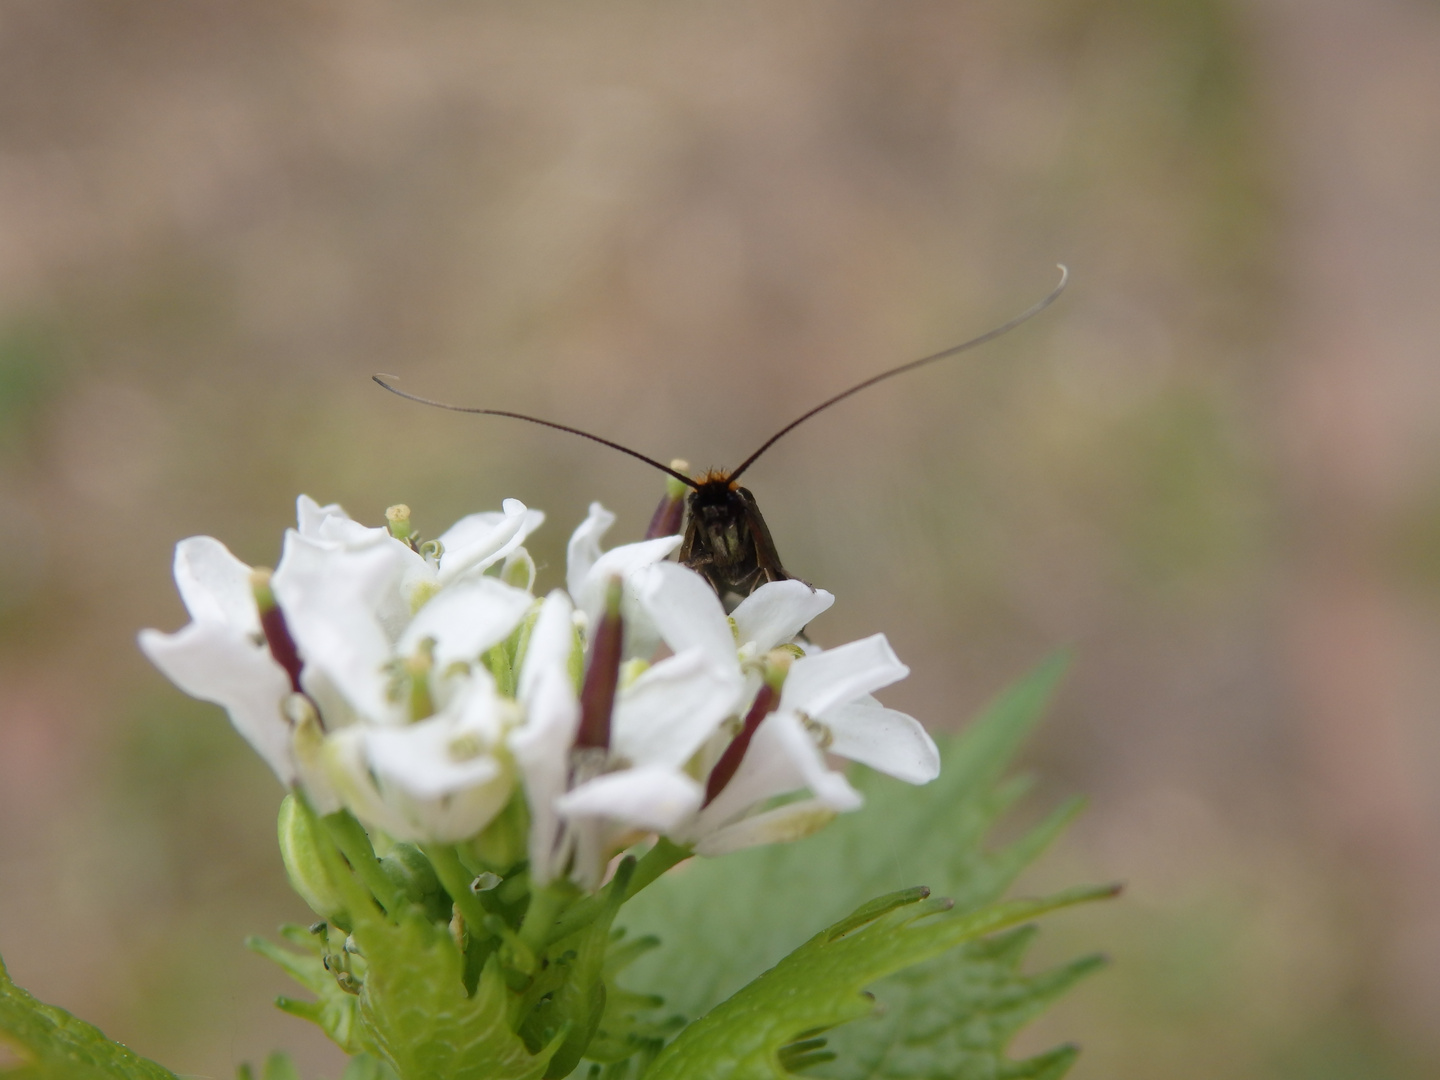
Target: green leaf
[
  {"x": 279, "y": 1066},
  {"x": 820, "y": 984},
  {"x": 407, "y": 975},
  {"x": 57, "y": 1046},
  {"x": 335, "y": 1012},
  {"x": 366, "y": 1067},
  {"x": 418, "y": 1017},
  {"x": 951, "y": 1018}
]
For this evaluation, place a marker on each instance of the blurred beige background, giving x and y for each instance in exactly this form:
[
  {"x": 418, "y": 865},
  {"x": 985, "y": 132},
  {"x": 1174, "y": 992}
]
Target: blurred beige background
[{"x": 1213, "y": 469}]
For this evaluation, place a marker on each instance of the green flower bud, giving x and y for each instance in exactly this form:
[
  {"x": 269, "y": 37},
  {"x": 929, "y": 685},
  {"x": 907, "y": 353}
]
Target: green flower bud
[
  {"x": 299, "y": 849},
  {"x": 407, "y": 866},
  {"x": 397, "y": 519},
  {"x": 505, "y": 841}
]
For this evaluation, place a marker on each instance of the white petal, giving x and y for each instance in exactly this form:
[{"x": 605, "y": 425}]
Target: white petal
[
  {"x": 432, "y": 758},
  {"x": 649, "y": 797},
  {"x": 584, "y": 547},
  {"x": 460, "y": 816},
  {"x": 349, "y": 776},
  {"x": 465, "y": 619},
  {"x": 686, "y": 612},
  {"x": 340, "y": 530},
  {"x": 217, "y": 663},
  {"x": 586, "y": 839},
  {"x": 888, "y": 741},
  {"x": 787, "y": 732},
  {"x": 622, "y": 562},
  {"x": 309, "y": 515},
  {"x": 478, "y": 541},
  {"x": 542, "y": 750},
  {"x": 552, "y": 642},
  {"x": 821, "y": 681},
  {"x": 781, "y": 758},
  {"x": 214, "y": 584},
  {"x": 673, "y": 707},
  {"x": 403, "y": 781},
  {"x": 777, "y": 611},
  {"x": 793, "y": 821},
  {"x": 332, "y": 599}
]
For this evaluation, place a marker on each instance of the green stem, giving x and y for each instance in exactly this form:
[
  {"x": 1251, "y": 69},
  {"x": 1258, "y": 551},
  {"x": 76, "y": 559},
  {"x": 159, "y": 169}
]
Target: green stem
[
  {"x": 354, "y": 843},
  {"x": 456, "y": 881},
  {"x": 546, "y": 903},
  {"x": 657, "y": 860}
]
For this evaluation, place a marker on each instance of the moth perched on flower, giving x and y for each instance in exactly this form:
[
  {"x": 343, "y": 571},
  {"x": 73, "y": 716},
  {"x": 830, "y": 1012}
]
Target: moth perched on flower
[
  {"x": 425, "y": 688},
  {"x": 725, "y": 537},
  {"x": 481, "y": 776}
]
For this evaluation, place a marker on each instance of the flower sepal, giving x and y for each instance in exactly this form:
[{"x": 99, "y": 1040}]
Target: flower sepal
[{"x": 300, "y": 851}]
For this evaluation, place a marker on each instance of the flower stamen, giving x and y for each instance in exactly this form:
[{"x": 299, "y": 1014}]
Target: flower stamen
[
  {"x": 776, "y": 666},
  {"x": 597, "y": 695},
  {"x": 272, "y": 622}
]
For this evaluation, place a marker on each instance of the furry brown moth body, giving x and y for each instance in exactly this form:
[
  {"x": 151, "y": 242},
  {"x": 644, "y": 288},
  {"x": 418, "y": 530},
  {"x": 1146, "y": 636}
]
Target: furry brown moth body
[{"x": 725, "y": 536}]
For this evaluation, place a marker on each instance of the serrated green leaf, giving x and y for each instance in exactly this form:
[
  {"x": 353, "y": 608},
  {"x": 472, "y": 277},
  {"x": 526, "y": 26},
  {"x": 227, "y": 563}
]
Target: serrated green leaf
[
  {"x": 820, "y": 985},
  {"x": 951, "y": 1018},
  {"x": 418, "y": 1017},
  {"x": 732, "y": 918},
  {"x": 57, "y": 1046},
  {"x": 335, "y": 1012},
  {"x": 366, "y": 1067}
]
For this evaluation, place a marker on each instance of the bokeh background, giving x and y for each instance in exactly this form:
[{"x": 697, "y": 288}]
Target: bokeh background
[{"x": 1212, "y": 469}]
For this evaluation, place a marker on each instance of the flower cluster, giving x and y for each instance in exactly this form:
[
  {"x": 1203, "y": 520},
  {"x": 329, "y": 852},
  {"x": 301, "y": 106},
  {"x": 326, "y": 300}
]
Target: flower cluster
[{"x": 425, "y": 688}]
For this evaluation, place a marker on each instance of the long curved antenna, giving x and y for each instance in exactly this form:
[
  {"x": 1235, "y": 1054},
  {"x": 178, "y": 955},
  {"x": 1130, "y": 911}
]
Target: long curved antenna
[
  {"x": 989, "y": 335},
  {"x": 547, "y": 423}
]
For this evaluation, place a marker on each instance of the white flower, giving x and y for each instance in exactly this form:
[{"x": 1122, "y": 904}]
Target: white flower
[
  {"x": 442, "y": 779},
  {"x": 366, "y": 678},
  {"x": 222, "y": 656},
  {"x": 340, "y": 604},
  {"x": 580, "y": 802},
  {"x": 387, "y": 635},
  {"x": 583, "y": 803},
  {"x": 825, "y": 704},
  {"x": 463, "y": 552}
]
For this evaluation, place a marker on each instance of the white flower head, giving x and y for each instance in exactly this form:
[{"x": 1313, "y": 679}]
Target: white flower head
[
  {"x": 824, "y": 705},
  {"x": 384, "y": 645},
  {"x": 367, "y": 672},
  {"x": 222, "y": 655}
]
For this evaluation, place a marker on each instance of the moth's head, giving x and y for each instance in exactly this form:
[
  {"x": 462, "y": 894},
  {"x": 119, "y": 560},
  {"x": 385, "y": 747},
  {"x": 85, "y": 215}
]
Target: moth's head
[{"x": 715, "y": 491}]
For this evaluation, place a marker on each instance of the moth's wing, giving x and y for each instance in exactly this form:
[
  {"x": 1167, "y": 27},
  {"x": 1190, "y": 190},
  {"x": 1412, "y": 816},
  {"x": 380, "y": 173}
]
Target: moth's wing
[
  {"x": 767, "y": 559},
  {"x": 688, "y": 553}
]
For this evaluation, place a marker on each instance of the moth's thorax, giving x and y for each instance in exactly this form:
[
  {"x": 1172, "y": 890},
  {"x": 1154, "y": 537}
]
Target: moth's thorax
[
  {"x": 727, "y": 541},
  {"x": 718, "y": 510}
]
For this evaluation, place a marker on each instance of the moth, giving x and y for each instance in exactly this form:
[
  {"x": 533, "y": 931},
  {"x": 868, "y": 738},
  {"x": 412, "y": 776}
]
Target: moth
[{"x": 726, "y": 539}]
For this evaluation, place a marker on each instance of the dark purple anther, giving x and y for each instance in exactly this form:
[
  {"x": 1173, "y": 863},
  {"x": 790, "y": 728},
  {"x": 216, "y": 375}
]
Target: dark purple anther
[
  {"x": 597, "y": 695},
  {"x": 272, "y": 622},
  {"x": 282, "y": 645},
  {"x": 666, "y": 519},
  {"x": 729, "y": 763}
]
